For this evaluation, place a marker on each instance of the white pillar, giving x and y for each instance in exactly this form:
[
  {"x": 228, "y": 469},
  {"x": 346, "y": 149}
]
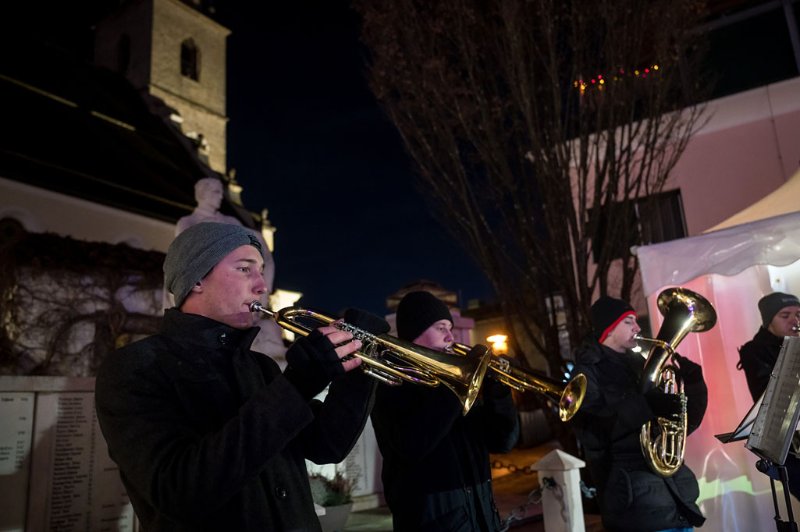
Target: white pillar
[{"x": 560, "y": 480}]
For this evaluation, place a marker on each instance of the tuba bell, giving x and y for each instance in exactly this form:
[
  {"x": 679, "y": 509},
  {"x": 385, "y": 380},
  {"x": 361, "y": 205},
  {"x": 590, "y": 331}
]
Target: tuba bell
[
  {"x": 684, "y": 311},
  {"x": 393, "y": 361}
]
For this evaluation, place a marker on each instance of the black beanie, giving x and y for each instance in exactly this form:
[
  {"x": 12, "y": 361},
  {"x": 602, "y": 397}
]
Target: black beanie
[
  {"x": 417, "y": 311},
  {"x": 606, "y": 313},
  {"x": 771, "y": 304}
]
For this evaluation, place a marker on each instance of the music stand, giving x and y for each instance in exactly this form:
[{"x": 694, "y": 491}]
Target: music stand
[{"x": 769, "y": 433}]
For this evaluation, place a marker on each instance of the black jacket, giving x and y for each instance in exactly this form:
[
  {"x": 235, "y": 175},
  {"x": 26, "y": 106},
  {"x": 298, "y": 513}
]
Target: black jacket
[
  {"x": 757, "y": 358},
  {"x": 608, "y": 424},
  {"x": 436, "y": 472},
  {"x": 209, "y": 435}
]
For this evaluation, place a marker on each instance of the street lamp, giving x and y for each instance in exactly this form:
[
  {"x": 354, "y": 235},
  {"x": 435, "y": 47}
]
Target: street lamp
[{"x": 499, "y": 343}]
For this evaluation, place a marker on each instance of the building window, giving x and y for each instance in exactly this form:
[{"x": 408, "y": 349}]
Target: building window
[
  {"x": 657, "y": 218},
  {"x": 123, "y": 54},
  {"x": 190, "y": 60}
]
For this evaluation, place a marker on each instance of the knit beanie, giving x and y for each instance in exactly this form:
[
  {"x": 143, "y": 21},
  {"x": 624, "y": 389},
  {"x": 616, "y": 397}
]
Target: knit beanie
[
  {"x": 606, "y": 313},
  {"x": 417, "y": 311},
  {"x": 197, "y": 250},
  {"x": 771, "y": 304}
]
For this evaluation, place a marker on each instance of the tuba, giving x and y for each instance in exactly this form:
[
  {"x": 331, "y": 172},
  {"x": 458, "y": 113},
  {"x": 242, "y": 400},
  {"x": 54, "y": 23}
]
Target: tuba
[
  {"x": 684, "y": 311},
  {"x": 393, "y": 361},
  {"x": 568, "y": 396}
]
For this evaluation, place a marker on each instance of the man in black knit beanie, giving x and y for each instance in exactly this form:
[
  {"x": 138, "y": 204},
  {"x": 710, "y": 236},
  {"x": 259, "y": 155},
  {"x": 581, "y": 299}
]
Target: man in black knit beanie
[
  {"x": 436, "y": 473},
  {"x": 780, "y": 317}
]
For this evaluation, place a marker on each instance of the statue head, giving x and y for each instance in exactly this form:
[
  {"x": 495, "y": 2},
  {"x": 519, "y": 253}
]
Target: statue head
[{"x": 208, "y": 192}]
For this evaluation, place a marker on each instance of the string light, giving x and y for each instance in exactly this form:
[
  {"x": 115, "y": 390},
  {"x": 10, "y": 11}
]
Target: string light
[{"x": 598, "y": 82}]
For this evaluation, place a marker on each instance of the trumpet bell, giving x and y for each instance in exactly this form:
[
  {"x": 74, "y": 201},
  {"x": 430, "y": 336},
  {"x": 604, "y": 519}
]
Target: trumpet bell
[{"x": 572, "y": 397}]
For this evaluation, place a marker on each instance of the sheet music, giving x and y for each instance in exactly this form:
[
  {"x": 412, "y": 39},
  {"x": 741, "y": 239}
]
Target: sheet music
[
  {"x": 742, "y": 431},
  {"x": 777, "y": 418}
]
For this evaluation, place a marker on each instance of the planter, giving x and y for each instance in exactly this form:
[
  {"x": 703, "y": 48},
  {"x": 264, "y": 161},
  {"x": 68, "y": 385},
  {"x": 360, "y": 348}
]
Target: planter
[{"x": 335, "y": 517}]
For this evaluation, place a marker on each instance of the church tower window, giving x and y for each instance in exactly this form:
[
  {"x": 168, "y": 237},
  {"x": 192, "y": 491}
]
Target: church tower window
[
  {"x": 123, "y": 53},
  {"x": 190, "y": 60}
]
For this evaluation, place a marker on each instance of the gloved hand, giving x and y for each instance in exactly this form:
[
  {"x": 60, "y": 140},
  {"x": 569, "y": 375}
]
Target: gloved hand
[
  {"x": 312, "y": 364},
  {"x": 366, "y": 321},
  {"x": 666, "y": 405},
  {"x": 492, "y": 387},
  {"x": 688, "y": 371}
]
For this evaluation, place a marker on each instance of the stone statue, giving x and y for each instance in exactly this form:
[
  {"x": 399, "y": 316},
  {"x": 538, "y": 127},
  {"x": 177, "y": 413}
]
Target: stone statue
[{"x": 208, "y": 192}]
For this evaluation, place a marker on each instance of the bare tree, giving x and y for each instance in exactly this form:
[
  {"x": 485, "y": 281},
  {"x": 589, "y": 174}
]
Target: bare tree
[
  {"x": 65, "y": 304},
  {"x": 535, "y": 126}
]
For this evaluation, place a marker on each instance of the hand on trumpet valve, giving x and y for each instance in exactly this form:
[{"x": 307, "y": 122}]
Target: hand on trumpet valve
[
  {"x": 666, "y": 405},
  {"x": 493, "y": 387},
  {"x": 315, "y": 360}
]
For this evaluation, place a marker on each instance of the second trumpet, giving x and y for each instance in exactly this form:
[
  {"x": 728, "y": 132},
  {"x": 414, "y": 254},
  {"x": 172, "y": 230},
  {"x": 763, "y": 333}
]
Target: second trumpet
[{"x": 568, "y": 396}]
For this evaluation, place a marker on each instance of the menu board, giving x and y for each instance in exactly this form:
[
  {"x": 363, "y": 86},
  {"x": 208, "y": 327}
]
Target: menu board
[
  {"x": 56, "y": 473},
  {"x": 16, "y": 434},
  {"x": 364, "y": 462}
]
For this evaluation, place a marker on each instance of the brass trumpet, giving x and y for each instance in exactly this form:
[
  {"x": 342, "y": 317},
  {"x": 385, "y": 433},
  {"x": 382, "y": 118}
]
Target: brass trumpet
[
  {"x": 462, "y": 375},
  {"x": 568, "y": 396}
]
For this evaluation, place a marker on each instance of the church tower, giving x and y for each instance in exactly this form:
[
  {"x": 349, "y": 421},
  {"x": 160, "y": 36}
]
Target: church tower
[{"x": 175, "y": 55}]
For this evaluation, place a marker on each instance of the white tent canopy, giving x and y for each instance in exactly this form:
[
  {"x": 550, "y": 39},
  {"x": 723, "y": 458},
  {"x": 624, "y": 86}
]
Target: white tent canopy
[
  {"x": 773, "y": 241},
  {"x": 753, "y": 253},
  {"x": 784, "y": 200}
]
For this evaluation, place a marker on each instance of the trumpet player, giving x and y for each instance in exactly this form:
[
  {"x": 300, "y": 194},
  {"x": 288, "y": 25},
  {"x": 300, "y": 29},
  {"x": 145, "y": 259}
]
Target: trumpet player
[
  {"x": 631, "y": 497},
  {"x": 209, "y": 435},
  {"x": 780, "y": 317},
  {"x": 436, "y": 473}
]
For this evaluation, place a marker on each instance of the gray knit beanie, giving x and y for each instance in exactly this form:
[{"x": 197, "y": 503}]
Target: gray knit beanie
[
  {"x": 197, "y": 250},
  {"x": 417, "y": 311},
  {"x": 771, "y": 304}
]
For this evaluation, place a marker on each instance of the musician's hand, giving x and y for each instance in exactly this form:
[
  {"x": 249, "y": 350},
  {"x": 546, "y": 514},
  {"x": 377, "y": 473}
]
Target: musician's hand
[
  {"x": 315, "y": 360},
  {"x": 689, "y": 371},
  {"x": 492, "y": 387},
  {"x": 345, "y": 346},
  {"x": 666, "y": 405}
]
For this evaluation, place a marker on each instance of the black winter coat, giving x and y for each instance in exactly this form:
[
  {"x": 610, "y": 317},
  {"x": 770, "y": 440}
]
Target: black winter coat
[
  {"x": 608, "y": 424},
  {"x": 757, "y": 358},
  {"x": 436, "y": 472},
  {"x": 209, "y": 435}
]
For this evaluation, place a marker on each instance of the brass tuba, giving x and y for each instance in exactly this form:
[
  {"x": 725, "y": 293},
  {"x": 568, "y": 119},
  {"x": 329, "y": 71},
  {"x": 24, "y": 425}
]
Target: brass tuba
[
  {"x": 684, "y": 311},
  {"x": 380, "y": 354},
  {"x": 568, "y": 396}
]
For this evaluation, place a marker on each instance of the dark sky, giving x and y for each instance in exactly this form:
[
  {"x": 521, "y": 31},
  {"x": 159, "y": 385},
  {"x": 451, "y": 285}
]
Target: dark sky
[{"x": 310, "y": 143}]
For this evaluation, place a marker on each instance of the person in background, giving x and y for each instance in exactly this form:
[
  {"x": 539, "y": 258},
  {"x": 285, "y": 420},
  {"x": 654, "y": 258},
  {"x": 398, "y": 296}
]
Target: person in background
[
  {"x": 209, "y": 435},
  {"x": 632, "y": 497},
  {"x": 780, "y": 317},
  {"x": 436, "y": 472}
]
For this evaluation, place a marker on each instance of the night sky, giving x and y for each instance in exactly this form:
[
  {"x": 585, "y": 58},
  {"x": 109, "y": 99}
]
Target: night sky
[{"x": 310, "y": 143}]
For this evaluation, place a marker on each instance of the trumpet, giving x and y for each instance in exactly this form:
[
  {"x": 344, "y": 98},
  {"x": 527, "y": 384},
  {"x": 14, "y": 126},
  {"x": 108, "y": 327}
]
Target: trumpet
[
  {"x": 462, "y": 375},
  {"x": 568, "y": 396}
]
